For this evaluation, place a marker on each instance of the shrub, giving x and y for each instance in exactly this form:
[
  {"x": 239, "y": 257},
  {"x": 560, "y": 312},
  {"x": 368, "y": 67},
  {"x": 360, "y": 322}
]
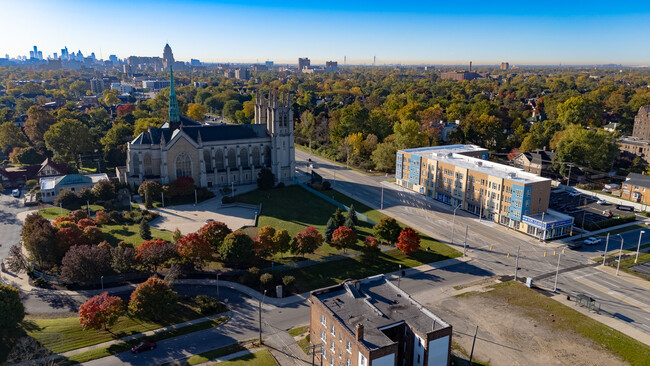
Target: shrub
[
  {"x": 237, "y": 248},
  {"x": 84, "y": 223},
  {"x": 102, "y": 218},
  {"x": 123, "y": 259},
  {"x": 370, "y": 249},
  {"x": 251, "y": 276},
  {"x": 145, "y": 230},
  {"x": 41, "y": 282},
  {"x": 266, "y": 280},
  {"x": 11, "y": 308},
  {"x": 93, "y": 235},
  {"x": 265, "y": 179},
  {"x": 288, "y": 280},
  {"x": 208, "y": 305},
  {"x": 67, "y": 199},
  {"x": 86, "y": 196},
  {"x": 77, "y": 215}
]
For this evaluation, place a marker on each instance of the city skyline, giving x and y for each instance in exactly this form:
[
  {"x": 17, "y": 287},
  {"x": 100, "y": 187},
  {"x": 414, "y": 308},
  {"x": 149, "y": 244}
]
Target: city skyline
[{"x": 237, "y": 31}]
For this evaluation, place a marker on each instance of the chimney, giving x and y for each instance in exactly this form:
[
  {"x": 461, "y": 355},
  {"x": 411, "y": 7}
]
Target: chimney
[
  {"x": 359, "y": 332},
  {"x": 470, "y": 66}
]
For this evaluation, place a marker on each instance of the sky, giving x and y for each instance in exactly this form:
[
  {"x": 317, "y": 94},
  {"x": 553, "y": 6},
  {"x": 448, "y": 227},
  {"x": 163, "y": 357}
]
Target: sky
[{"x": 408, "y": 32}]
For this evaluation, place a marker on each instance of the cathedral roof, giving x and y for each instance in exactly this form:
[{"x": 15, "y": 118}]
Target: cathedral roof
[{"x": 207, "y": 133}]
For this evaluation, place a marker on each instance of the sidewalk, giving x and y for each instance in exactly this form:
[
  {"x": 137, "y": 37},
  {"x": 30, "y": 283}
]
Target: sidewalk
[{"x": 636, "y": 281}]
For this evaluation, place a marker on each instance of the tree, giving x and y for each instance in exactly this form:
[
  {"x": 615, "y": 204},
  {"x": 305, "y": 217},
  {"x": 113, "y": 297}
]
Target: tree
[
  {"x": 176, "y": 235},
  {"x": 38, "y": 237},
  {"x": 149, "y": 190},
  {"x": 110, "y": 98},
  {"x": 594, "y": 149},
  {"x": 100, "y": 311},
  {"x": 281, "y": 241},
  {"x": 11, "y": 308},
  {"x": 11, "y": 136},
  {"x": 329, "y": 229},
  {"x": 28, "y": 351},
  {"x": 114, "y": 143},
  {"x": 307, "y": 124},
  {"x": 338, "y": 217},
  {"x": 408, "y": 135},
  {"x": 143, "y": 124},
  {"x": 370, "y": 249},
  {"x": 384, "y": 156},
  {"x": 104, "y": 190},
  {"x": 93, "y": 235},
  {"x": 67, "y": 199},
  {"x": 579, "y": 110},
  {"x": 153, "y": 300},
  {"x": 153, "y": 253},
  {"x": 387, "y": 230},
  {"x": 349, "y": 223},
  {"x": 230, "y": 109},
  {"x": 214, "y": 233},
  {"x": 408, "y": 241},
  {"x": 264, "y": 241},
  {"x": 237, "y": 248},
  {"x": 307, "y": 241},
  {"x": 85, "y": 264},
  {"x": 38, "y": 122},
  {"x": 196, "y": 112},
  {"x": 28, "y": 155},
  {"x": 123, "y": 259},
  {"x": 16, "y": 261},
  {"x": 265, "y": 179},
  {"x": 183, "y": 186},
  {"x": 78, "y": 88},
  {"x": 125, "y": 109},
  {"x": 145, "y": 230},
  {"x": 193, "y": 248},
  {"x": 68, "y": 138},
  {"x": 343, "y": 238}
]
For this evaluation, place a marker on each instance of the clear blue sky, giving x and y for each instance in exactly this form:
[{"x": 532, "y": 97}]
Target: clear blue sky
[{"x": 450, "y": 32}]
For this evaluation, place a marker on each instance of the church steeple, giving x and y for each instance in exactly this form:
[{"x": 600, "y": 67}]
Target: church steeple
[{"x": 174, "y": 117}]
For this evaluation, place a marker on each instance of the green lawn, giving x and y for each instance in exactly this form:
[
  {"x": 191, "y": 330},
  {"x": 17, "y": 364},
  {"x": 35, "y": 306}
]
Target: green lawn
[
  {"x": 65, "y": 334},
  {"x": 624, "y": 229},
  {"x": 54, "y": 212},
  {"x": 298, "y": 330},
  {"x": 542, "y": 308},
  {"x": 627, "y": 262},
  {"x": 211, "y": 355},
  {"x": 304, "y": 344},
  {"x": 131, "y": 234},
  {"x": 259, "y": 358}
]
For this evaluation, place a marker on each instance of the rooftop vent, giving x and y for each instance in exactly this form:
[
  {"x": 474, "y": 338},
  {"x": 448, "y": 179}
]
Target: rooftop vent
[
  {"x": 512, "y": 175},
  {"x": 479, "y": 163}
]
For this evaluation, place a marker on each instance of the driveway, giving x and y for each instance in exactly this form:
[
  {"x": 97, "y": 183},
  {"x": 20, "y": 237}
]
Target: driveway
[{"x": 10, "y": 225}]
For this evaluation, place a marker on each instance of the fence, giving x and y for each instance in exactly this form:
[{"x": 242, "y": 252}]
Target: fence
[{"x": 331, "y": 200}]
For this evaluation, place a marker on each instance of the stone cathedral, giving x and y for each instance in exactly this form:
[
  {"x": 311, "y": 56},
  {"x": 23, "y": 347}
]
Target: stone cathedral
[{"x": 215, "y": 155}]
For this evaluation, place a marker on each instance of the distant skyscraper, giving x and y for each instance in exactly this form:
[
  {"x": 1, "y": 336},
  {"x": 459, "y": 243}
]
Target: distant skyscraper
[
  {"x": 195, "y": 62},
  {"x": 505, "y": 66},
  {"x": 113, "y": 59},
  {"x": 268, "y": 63},
  {"x": 331, "y": 66},
  {"x": 96, "y": 85},
  {"x": 40, "y": 55},
  {"x": 241, "y": 74},
  {"x": 55, "y": 55},
  {"x": 64, "y": 53},
  {"x": 168, "y": 57},
  {"x": 304, "y": 63}
]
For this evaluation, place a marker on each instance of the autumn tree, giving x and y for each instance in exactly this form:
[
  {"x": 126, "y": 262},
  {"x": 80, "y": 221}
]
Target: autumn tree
[
  {"x": 67, "y": 237},
  {"x": 153, "y": 253},
  {"x": 85, "y": 264},
  {"x": 100, "y": 311},
  {"x": 281, "y": 241},
  {"x": 68, "y": 138},
  {"x": 11, "y": 136},
  {"x": 408, "y": 241},
  {"x": 123, "y": 258},
  {"x": 143, "y": 124},
  {"x": 387, "y": 230},
  {"x": 93, "y": 235},
  {"x": 196, "y": 112},
  {"x": 307, "y": 241},
  {"x": 39, "y": 238},
  {"x": 149, "y": 190},
  {"x": 193, "y": 248},
  {"x": 11, "y": 308},
  {"x": 264, "y": 241},
  {"x": 343, "y": 238},
  {"x": 370, "y": 249},
  {"x": 237, "y": 248},
  {"x": 104, "y": 190},
  {"x": 214, "y": 233},
  {"x": 38, "y": 122},
  {"x": 153, "y": 300}
]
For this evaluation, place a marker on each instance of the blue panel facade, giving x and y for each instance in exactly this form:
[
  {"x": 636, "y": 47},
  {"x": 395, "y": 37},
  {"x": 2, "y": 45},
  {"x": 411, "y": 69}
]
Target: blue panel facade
[
  {"x": 414, "y": 169},
  {"x": 517, "y": 202},
  {"x": 528, "y": 191},
  {"x": 398, "y": 165}
]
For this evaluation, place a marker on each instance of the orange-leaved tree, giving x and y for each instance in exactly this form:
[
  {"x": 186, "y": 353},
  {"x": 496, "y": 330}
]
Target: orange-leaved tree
[{"x": 408, "y": 241}]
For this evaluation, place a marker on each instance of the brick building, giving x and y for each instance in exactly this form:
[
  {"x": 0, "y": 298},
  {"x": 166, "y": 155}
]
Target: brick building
[
  {"x": 371, "y": 322},
  {"x": 634, "y": 188},
  {"x": 642, "y": 123}
]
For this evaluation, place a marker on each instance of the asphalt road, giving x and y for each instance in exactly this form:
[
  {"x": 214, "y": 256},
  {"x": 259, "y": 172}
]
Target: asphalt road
[
  {"x": 493, "y": 248},
  {"x": 10, "y": 226}
]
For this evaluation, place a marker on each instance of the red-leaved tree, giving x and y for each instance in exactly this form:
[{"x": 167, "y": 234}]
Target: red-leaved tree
[
  {"x": 125, "y": 109},
  {"x": 101, "y": 217},
  {"x": 100, "y": 311},
  {"x": 68, "y": 237},
  {"x": 153, "y": 299},
  {"x": 77, "y": 215},
  {"x": 183, "y": 186},
  {"x": 193, "y": 248},
  {"x": 153, "y": 253},
  {"x": 343, "y": 238},
  {"x": 307, "y": 241},
  {"x": 214, "y": 232},
  {"x": 84, "y": 223},
  {"x": 408, "y": 241},
  {"x": 264, "y": 241}
]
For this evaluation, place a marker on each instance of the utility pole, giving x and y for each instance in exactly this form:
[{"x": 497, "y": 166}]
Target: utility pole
[
  {"x": 517, "y": 262},
  {"x": 260, "y": 315},
  {"x": 313, "y": 355},
  {"x": 218, "y": 298},
  {"x": 620, "y": 253},
  {"x": 638, "y": 247},
  {"x": 162, "y": 195},
  {"x": 382, "y": 196},
  {"x": 471, "y": 354},
  {"x": 465, "y": 242},
  {"x": 557, "y": 271},
  {"x": 606, "y": 244},
  {"x": 453, "y": 225}
]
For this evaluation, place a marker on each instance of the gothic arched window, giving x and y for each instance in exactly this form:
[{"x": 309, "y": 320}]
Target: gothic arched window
[
  {"x": 148, "y": 168},
  {"x": 136, "y": 164},
  {"x": 232, "y": 158},
  {"x": 207, "y": 158},
  {"x": 183, "y": 165},
  {"x": 256, "y": 156},
  {"x": 218, "y": 158},
  {"x": 267, "y": 156},
  {"x": 243, "y": 157}
]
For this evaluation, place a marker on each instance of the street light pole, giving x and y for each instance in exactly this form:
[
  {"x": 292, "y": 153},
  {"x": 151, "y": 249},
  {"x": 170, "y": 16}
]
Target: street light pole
[
  {"x": 453, "y": 225},
  {"x": 638, "y": 247},
  {"x": 102, "y": 283},
  {"x": 218, "y": 298},
  {"x": 606, "y": 244},
  {"x": 465, "y": 242},
  {"x": 399, "y": 278},
  {"x": 382, "y": 196},
  {"x": 517, "y": 263},
  {"x": 620, "y": 253},
  {"x": 557, "y": 271},
  {"x": 260, "y": 315}
]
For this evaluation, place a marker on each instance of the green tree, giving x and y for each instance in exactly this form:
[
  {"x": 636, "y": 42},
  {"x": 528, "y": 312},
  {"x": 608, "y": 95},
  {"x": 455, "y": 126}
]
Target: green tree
[
  {"x": 38, "y": 122},
  {"x": 11, "y": 308},
  {"x": 265, "y": 179},
  {"x": 27, "y": 155},
  {"x": 351, "y": 119},
  {"x": 387, "y": 230},
  {"x": 143, "y": 124},
  {"x": 384, "y": 156},
  {"x": 338, "y": 217},
  {"x": 104, "y": 190},
  {"x": 579, "y": 110},
  {"x": 593, "y": 149},
  {"x": 230, "y": 108},
  {"x": 237, "y": 248},
  {"x": 196, "y": 112},
  {"x": 408, "y": 135},
  {"x": 281, "y": 241},
  {"x": 114, "y": 143},
  {"x": 110, "y": 97},
  {"x": 307, "y": 124},
  {"x": 11, "y": 136},
  {"x": 329, "y": 229},
  {"x": 352, "y": 215},
  {"x": 149, "y": 190},
  {"x": 78, "y": 88},
  {"x": 153, "y": 300},
  {"x": 145, "y": 230},
  {"x": 68, "y": 139}
]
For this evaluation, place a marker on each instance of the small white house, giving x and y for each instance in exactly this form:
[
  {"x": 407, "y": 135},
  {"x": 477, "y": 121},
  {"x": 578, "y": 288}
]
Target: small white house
[{"x": 52, "y": 186}]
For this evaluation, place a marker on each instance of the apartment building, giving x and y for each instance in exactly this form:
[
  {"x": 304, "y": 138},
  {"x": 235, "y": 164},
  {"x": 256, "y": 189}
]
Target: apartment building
[
  {"x": 634, "y": 188},
  {"x": 461, "y": 176},
  {"x": 372, "y": 322}
]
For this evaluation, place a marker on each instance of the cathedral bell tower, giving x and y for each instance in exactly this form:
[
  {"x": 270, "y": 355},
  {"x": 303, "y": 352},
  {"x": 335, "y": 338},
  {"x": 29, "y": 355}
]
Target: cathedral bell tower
[{"x": 276, "y": 113}]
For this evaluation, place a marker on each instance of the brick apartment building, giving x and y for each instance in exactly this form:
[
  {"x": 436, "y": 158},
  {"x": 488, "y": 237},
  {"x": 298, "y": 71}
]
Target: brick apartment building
[
  {"x": 372, "y": 322},
  {"x": 639, "y": 143},
  {"x": 634, "y": 188},
  {"x": 461, "y": 176}
]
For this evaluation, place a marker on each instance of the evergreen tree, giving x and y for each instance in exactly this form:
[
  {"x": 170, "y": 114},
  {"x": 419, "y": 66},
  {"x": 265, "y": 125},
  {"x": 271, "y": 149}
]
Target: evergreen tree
[
  {"x": 338, "y": 217},
  {"x": 349, "y": 223},
  {"x": 145, "y": 230},
  {"x": 329, "y": 229},
  {"x": 352, "y": 214}
]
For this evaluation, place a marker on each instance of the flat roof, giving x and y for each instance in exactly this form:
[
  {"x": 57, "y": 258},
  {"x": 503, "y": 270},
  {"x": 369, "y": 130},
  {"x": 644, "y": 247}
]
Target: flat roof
[
  {"x": 377, "y": 304},
  {"x": 453, "y": 155},
  {"x": 550, "y": 216}
]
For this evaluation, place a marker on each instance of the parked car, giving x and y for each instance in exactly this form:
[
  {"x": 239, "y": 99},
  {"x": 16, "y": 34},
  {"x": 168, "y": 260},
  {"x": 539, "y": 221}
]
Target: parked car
[
  {"x": 601, "y": 202},
  {"x": 613, "y": 186},
  {"x": 144, "y": 346},
  {"x": 608, "y": 213},
  {"x": 605, "y": 190},
  {"x": 624, "y": 208},
  {"x": 209, "y": 221},
  {"x": 574, "y": 245},
  {"x": 574, "y": 194},
  {"x": 592, "y": 241},
  {"x": 16, "y": 192}
]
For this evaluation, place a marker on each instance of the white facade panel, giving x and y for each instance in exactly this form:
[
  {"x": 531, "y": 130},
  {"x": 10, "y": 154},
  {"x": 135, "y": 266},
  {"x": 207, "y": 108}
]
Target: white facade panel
[{"x": 439, "y": 351}]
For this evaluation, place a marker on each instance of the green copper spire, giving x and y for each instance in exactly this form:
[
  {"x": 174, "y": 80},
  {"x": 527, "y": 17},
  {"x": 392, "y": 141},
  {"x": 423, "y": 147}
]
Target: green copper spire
[{"x": 174, "y": 117}]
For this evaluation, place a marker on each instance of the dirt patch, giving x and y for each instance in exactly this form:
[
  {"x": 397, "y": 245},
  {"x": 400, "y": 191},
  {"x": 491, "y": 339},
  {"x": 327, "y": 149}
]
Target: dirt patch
[{"x": 510, "y": 334}]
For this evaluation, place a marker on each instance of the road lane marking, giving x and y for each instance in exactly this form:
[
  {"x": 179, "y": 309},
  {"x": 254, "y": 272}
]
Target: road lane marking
[{"x": 614, "y": 296}]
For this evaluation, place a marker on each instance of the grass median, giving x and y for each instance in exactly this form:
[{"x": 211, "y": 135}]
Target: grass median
[{"x": 259, "y": 358}]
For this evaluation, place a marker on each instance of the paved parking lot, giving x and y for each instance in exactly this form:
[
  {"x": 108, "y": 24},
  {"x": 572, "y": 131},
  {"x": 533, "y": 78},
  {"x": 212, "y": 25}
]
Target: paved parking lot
[{"x": 584, "y": 205}]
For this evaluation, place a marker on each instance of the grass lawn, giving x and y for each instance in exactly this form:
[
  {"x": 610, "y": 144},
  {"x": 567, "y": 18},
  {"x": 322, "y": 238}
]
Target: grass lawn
[
  {"x": 541, "y": 308},
  {"x": 125, "y": 346},
  {"x": 211, "y": 355},
  {"x": 65, "y": 334},
  {"x": 627, "y": 262},
  {"x": 54, "y": 212},
  {"x": 131, "y": 234},
  {"x": 259, "y": 358},
  {"x": 298, "y": 331},
  {"x": 624, "y": 229},
  {"x": 304, "y": 344}
]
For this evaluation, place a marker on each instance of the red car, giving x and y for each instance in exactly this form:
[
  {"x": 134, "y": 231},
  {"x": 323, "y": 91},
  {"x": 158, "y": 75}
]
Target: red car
[{"x": 143, "y": 346}]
